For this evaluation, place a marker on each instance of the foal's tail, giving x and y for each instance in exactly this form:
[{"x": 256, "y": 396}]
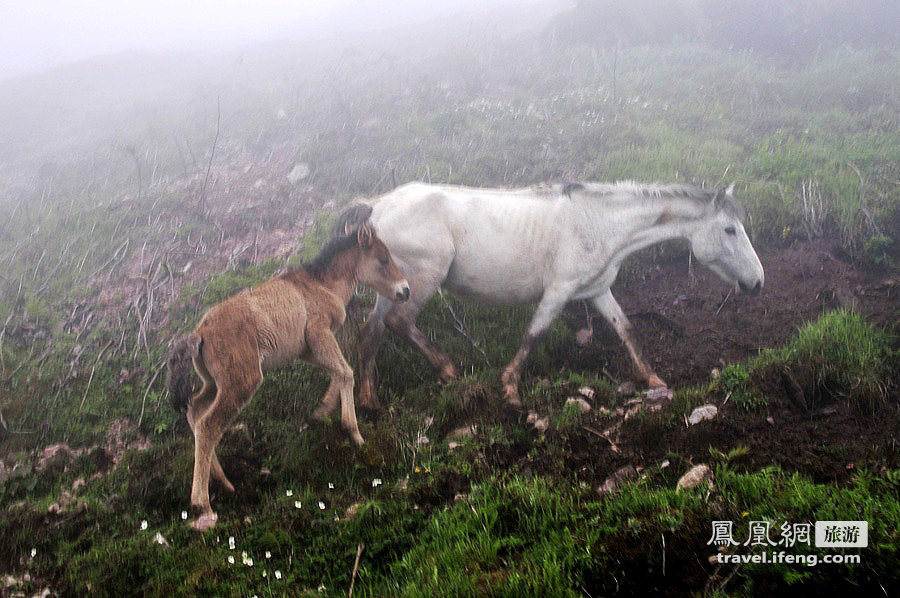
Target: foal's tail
[
  {"x": 349, "y": 221},
  {"x": 179, "y": 363}
]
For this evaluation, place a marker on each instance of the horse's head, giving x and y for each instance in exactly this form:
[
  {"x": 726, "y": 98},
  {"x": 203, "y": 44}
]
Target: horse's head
[
  {"x": 376, "y": 267},
  {"x": 721, "y": 243}
]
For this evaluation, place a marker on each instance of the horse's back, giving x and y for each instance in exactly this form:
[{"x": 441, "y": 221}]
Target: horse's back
[{"x": 493, "y": 245}]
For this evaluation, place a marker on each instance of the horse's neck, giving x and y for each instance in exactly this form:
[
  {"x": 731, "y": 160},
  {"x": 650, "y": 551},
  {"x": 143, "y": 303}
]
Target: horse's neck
[{"x": 644, "y": 223}]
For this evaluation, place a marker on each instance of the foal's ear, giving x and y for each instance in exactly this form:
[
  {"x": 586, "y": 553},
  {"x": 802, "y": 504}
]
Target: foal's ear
[{"x": 364, "y": 236}]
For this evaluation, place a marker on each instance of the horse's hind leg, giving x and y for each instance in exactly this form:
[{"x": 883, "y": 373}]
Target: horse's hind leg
[
  {"x": 610, "y": 309},
  {"x": 552, "y": 302},
  {"x": 325, "y": 351}
]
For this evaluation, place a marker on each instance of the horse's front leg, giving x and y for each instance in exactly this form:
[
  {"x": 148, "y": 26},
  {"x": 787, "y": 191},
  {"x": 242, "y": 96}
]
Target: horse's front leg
[
  {"x": 551, "y": 304},
  {"x": 610, "y": 309}
]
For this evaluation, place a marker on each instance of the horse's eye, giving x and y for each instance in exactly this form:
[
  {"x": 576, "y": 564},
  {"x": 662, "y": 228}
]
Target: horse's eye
[
  {"x": 383, "y": 261},
  {"x": 730, "y": 230}
]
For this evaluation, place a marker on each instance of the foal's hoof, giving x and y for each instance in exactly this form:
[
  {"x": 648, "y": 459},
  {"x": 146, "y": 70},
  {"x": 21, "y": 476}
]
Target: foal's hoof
[
  {"x": 205, "y": 522},
  {"x": 511, "y": 394},
  {"x": 447, "y": 373},
  {"x": 655, "y": 381},
  {"x": 321, "y": 415}
]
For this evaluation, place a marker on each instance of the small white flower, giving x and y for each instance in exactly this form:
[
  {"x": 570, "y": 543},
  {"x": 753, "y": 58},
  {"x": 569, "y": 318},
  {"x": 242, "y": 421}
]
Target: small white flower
[
  {"x": 184, "y": 514},
  {"x": 265, "y": 573},
  {"x": 230, "y": 560},
  {"x": 321, "y": 505},
  {"x": 268, "y": 554},
  {"x": 33, "y": 552},
  {"x": 277, "y": 574},
  {"x": 244, "y": 555},
  {"x": 330, "y": 486},
  {"x": 289, "y": 493},
  {"x": 321, "y": 587},
  {"x": 249, "y": 562},
  {"x": 376, "y": 482},
  {"x": 144, "y": 524},
  {"x": 298, "y": 504},
  {"x": 231, "y": 542}
]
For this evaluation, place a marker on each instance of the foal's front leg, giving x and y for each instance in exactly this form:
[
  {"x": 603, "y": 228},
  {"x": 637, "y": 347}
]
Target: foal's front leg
[
  {"x": 325, "y": 351},
  {"x": 607, "y": 305},
  {"x": 551, "y": 304}
]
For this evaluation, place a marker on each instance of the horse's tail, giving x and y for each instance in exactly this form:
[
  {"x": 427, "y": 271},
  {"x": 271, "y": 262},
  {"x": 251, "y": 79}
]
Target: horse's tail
[
  {"x": 349, "y": 221},
  {"x": 179, "y": 363}
]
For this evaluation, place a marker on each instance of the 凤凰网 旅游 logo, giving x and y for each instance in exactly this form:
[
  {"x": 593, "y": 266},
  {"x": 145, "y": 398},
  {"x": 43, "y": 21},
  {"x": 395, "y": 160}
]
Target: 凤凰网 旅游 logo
[
  {"x": 842, "y": 534},
  {"x": 822, "y": 534}
]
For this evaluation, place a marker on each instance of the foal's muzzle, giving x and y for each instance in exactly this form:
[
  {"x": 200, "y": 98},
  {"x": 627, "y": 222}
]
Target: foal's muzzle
[{"x": 403, "y": 294}]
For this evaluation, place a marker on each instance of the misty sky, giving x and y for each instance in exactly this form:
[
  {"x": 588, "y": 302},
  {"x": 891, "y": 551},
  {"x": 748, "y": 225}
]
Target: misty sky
[{"x": 38, "y": 34}]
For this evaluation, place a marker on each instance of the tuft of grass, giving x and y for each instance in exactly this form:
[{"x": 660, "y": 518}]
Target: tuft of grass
[
  {"x": 735, "y": 383},
  {"x": 839, "y": 355}
]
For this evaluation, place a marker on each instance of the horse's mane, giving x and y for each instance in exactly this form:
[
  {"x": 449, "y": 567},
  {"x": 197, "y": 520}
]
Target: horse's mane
[{"x": 699, "y": 195}]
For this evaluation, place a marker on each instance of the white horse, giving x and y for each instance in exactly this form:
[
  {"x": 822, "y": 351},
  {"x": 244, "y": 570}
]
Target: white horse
[{"x": 551, "y": 244}]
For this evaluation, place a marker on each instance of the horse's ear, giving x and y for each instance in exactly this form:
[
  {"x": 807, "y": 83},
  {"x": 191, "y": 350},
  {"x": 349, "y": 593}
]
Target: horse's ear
[
  {"x": 364, "y": 236},
  {"x": 720, "y": 198},
  {"x": 348, "y": 229}
]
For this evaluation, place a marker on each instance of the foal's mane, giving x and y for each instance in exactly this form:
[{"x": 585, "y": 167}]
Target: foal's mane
[
  {"x": 318, "y": 266},
  {"x": 701, "y": 196}
]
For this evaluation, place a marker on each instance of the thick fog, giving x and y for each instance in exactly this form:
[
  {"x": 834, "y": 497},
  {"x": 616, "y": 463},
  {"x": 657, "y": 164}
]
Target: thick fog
[{"x": 39, "y": 34}]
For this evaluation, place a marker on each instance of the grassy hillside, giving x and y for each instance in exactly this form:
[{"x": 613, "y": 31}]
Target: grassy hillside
[{"x": 151, "y": 204}]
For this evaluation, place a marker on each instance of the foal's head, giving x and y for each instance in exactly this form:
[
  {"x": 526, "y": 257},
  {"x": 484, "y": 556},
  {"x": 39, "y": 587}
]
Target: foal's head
[
  {"x": 722, "y": 244},
  {"x": 376, "y": 267}
]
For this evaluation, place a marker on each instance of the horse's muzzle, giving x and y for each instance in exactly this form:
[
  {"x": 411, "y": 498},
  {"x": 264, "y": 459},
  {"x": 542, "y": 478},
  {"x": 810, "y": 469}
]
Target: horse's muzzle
[
  {"x": 403, "y": 294},
  {"x": 754, "y": 290}
]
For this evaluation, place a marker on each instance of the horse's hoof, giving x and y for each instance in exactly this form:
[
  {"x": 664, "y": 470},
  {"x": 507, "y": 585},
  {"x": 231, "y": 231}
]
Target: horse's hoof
[
  {"x": 367, "y": 399},
  {"x": 205, "y": 522}
]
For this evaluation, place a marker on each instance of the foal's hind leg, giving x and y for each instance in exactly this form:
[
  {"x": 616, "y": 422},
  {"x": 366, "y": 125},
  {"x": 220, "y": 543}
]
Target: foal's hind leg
[
  {"x": 607, "y": 305},
  {"x": 325, "y": 351},
  {"x": 236, "y": 385},
  {"x": 197, "y": 406}
]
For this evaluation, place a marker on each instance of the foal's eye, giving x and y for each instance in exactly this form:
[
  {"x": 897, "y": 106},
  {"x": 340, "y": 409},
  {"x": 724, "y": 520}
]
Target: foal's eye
[
  {"x": 383, "y": 261},
  {"x": 730, "y": 230}
]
